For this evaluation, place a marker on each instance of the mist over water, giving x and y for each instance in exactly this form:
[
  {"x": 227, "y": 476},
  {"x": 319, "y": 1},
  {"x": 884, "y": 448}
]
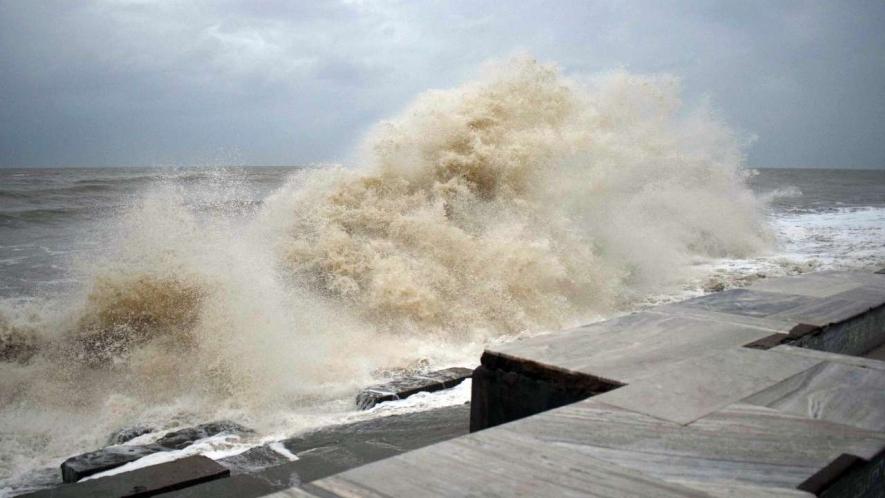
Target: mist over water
[{"x": 521, "y": 202}]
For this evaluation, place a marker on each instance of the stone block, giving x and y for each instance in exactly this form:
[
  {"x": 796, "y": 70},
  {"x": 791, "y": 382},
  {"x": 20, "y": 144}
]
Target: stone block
[
  {"x": 834, "y": 392},
  {"x": 253, "y": 460},
  {"x": 129, "y": 433},
  {"x": 146, "y": 481},
  {"x": 77, "y": 467},
  {"x": 689, "y": 389},
  {"x": 496, "y": 462},
  {"x": 338, "y": 448}
]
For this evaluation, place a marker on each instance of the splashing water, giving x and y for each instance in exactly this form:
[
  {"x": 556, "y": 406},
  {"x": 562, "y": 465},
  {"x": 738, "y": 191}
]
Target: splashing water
[{"x": 522, "y": 201}]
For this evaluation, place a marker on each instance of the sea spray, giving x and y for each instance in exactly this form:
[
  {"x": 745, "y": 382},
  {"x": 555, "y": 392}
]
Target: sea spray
[{"x": 522, "y": 201}]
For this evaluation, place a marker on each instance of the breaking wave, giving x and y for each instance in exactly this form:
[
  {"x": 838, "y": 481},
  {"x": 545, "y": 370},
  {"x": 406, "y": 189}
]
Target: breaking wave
[{"x": 519, "y": 202}]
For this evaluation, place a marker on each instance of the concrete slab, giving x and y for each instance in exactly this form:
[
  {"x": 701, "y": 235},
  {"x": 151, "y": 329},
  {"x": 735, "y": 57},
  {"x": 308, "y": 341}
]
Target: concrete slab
[
  {"x": 836, "y": 308},
  {"x": 833, "y": 311},
  {"x": 820, "y": 284},
  {"x": 742, "y": 445},
  {"x": 690, "y": 389},
  {"x": 497, "y": 463},
  {"x": 338, "y": 448},
  {"x": 830, "y": 391},
  {"x": 855, "y": 361},
  {"x": 146, "y": 481},
  {"x": 237, "y": 486},
  {"x": 725, "y": 490},
  {"x": 747, "y": 302},
  {"x": 594, "y": 449},
  {"x": 627, "y": 348}
]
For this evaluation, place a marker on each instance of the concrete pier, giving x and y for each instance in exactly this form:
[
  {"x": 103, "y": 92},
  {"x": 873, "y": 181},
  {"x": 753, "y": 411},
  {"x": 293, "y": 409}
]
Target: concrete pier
[{"x": 761, "y": 391}]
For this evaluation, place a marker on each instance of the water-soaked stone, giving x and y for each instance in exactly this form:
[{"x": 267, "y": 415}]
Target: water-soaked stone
[
  {"x": 183, "y": 438},
  {"x": 407, "y": 386},
  {"x": 147, "y": 481},
  {"x": 77, "y": 467},
  {"x": 129, "y": 433},
  {"x": 253, "y": 460}
]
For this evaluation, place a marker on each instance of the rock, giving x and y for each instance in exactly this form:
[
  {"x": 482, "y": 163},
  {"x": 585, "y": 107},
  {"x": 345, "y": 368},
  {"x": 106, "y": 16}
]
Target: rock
[
  {"x": 254, "y": 459},
  {"x": 407, "y": 386},
  {"x": 183, "y": 438},
  {"x": 129, "y": 433},
  {"x": 77, "y": 467},
  {"x": 146, "y": 481},
  {"x": 714, "y": 286}
]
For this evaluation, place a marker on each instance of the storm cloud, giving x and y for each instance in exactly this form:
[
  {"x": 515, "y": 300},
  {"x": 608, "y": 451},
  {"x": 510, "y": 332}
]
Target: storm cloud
[{"x": 136, "y": 82}]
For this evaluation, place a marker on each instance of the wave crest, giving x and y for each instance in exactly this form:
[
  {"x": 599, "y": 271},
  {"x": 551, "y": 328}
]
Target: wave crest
[{"x": 523, "y": 200}]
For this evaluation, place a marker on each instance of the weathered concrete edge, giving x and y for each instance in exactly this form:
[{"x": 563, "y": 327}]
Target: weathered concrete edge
[
  {"x": 854, "y": 336},
  {"x": 507, "y": 388},
  {"x": 847, "y": 475}
]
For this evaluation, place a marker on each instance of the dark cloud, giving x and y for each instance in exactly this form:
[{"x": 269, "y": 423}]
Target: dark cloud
[{"x": 285, "y": 82}]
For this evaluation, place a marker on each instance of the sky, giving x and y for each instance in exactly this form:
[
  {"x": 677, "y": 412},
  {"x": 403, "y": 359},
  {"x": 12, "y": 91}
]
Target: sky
[{"x": 149, "y": 83}]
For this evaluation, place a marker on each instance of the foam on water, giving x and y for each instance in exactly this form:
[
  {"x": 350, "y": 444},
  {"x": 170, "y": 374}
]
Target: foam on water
[{"x": 521, "y": 202}]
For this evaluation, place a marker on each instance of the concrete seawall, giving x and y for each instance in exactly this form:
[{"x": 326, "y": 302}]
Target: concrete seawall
[
  {"x": 836, "y": 312},
  {"x": 772, "y": 390},
  {"x": 763, "y": 391}
]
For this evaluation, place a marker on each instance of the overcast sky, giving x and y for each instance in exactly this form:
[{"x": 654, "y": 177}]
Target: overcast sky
[{"x": 137, "y": 82}]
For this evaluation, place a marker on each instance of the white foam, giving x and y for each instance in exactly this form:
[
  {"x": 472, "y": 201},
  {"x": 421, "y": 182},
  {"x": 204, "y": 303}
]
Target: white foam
[
  {"x": 843, "y": 238},
  {"x": 215, "y": 447},
  {"x": 282, "y": 450},
  {"x": 422, "y": 401}
]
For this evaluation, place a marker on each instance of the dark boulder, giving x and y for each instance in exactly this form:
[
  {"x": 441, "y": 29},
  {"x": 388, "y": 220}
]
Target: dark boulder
[
  {"x": 253, "y": 460},
  {"x": 413, "y": 384},
  {"x": 183, "y": 438},
  {"x": 129, "y": 433},
  {"x": 77, "y": 467}
]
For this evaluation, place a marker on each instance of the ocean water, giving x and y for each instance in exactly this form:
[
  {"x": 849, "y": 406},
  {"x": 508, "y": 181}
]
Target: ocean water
[{"x": 520, "y": 203}]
